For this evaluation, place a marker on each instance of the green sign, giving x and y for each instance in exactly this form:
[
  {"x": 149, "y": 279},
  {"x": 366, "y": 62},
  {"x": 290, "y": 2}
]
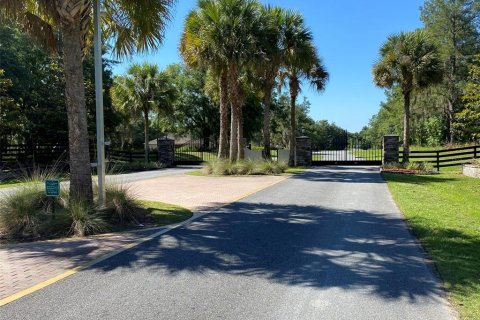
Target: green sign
[{"x": 52, "y": 188}]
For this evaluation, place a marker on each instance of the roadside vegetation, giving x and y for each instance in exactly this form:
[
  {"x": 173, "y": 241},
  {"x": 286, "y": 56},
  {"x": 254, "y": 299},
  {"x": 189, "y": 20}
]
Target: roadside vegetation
[
  {"x": 444, "y": 213},
  {"x": 243, "y": 168},
  {"x": 27, "y": 214},
  {"x": 409, "y": 167}
]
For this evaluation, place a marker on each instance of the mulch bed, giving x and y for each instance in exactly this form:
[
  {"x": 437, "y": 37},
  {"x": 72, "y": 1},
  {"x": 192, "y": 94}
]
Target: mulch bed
[{"x": 406, "y": 171}]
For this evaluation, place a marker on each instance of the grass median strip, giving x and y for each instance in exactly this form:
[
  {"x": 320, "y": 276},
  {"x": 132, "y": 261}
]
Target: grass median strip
[
  {"x": 164, "y": 213},
  {"x": 288, "y": 171},
  {"x": 444, "y": 213}
]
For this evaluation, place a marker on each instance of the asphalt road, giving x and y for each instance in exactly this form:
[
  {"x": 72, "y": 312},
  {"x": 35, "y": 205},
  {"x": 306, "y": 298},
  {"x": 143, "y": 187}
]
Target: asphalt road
[{"x": 326, "y": 244}]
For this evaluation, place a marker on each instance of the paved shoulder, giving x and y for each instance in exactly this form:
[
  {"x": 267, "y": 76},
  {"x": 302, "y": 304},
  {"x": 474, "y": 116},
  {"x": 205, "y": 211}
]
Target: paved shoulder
[{"x": 327, "y": 244}]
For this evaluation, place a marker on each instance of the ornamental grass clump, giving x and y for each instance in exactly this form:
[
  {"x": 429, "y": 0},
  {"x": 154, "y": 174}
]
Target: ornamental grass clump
[
  {"x": 410, "y": 167},
  {"x": 269, "y": 167},
  {"x": 219, "y": 167},
  {"x": 243, "y": 167},
  {"x": 120, "y": 204},
  {"x": 20, "y": 212},
  {"x": 420, "y": 167},
  {"x": 85, "y": 220},
  {"x": 25, "y": 212},
  {"x": 393, "y": 165}
]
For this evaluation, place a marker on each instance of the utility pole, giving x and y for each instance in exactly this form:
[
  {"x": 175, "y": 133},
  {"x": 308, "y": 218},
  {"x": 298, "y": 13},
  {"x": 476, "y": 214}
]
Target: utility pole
[{"x": 99, "y": 101}]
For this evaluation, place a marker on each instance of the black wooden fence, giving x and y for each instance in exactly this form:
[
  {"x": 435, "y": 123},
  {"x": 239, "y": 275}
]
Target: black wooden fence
[
  {"x": 446, "y": 157},
  {"x": 130, "y": 155},
  {"x": 13, "y": 154},
  {"x": 198, "y": 152}
]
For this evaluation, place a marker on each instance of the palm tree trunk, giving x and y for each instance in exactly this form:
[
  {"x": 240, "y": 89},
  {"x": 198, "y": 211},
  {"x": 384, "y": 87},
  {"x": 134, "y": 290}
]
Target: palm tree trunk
[
  {"x": 145, "y": 132},
  {"x": 241, "y": 145},
  {"x": 406, "y": 127},
  {"x": 267, "y": 101},
  {"x": 293, "y": 129},
  {"x": 80, "y": 172},
  {"x": 233, "y": 133},
  {"x": 234, "y": 101},
  {"x": 223, "y": 139}
]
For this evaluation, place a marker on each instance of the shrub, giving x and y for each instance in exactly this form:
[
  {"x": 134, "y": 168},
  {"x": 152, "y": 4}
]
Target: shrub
[
  {"x": 26, "y": 211},
  {"x": 421, "y": 167},
  {"x": 413, "y": 166},
  {"x": 243, "y": 167},
  {"x": 207, "y": 167},
  {"x": 39, "y": 175},
  {"x": 120, "y": 204},
  {"x": 219, "y": 167},
  {"x": 271, "y": 167},
  {"x": 85, "y": 220},
  {"x": 427, "y": 167},
  {"x": 20, "y": 211},
  {"x": 393, "y": 165}
]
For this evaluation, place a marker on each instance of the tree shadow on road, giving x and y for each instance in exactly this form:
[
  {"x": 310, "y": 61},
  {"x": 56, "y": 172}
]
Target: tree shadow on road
[{"x": 292, "y": 245}]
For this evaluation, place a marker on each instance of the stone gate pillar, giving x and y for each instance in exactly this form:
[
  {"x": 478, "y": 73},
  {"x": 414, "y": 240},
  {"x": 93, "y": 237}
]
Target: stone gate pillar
[
  {"x": 391, "y": 145},
  {"x": 166, "y": 151},
  {"x": 303, "y": 152}
]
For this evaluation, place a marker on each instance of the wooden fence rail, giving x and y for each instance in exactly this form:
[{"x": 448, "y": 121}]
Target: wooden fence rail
[
  {"x": 445, "y": 157},
  {"x": 48, "y": 154}
]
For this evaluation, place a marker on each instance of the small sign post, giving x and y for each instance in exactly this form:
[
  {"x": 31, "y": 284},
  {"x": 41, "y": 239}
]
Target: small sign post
[{"x": 52, "y": 190}]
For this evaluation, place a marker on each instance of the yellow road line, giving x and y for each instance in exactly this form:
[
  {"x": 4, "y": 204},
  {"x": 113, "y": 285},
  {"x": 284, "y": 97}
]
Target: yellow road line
[{"x": 73, "y": 271}]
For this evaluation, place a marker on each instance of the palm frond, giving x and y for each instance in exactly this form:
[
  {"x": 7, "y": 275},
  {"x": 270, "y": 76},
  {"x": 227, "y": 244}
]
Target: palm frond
[
  {"x": 136, "y": 26},
  {"x": 41, "y": 31},
  {"x": 410, "y": 59},
  {"x": 38, "y": 19}
]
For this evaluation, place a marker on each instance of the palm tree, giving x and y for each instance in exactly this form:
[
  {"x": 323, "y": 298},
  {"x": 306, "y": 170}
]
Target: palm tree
[
  {"x": 300, "y": 62},
  {"x": 199, "y": 49},
  {"x": 144, "y": 89},
  {"x": 220, "y": 35},
  {"x": 411, "y": 61},
  {"x": 269, "y": 64},
  {"x": 130, "y": 26}
]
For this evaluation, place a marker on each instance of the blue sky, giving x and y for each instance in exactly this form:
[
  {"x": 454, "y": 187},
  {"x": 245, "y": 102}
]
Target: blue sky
[{"x": 347, "y": 34}]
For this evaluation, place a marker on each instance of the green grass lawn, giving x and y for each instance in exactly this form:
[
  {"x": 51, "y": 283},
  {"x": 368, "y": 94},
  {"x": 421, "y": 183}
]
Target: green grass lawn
[
  {"x": 10, "y": 184},
  {"x": 295, "y": 170},
  {"x": 164, "y": 213},
  {"x": 444, "y": 212}
]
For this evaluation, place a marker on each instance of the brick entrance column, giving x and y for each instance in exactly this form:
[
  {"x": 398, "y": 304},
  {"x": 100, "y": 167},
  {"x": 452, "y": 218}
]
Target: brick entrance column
[
  {"x": 303, "y": 152},
  {"x": 391, "y": 145},
  {"x": 166, "y": 151}
]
